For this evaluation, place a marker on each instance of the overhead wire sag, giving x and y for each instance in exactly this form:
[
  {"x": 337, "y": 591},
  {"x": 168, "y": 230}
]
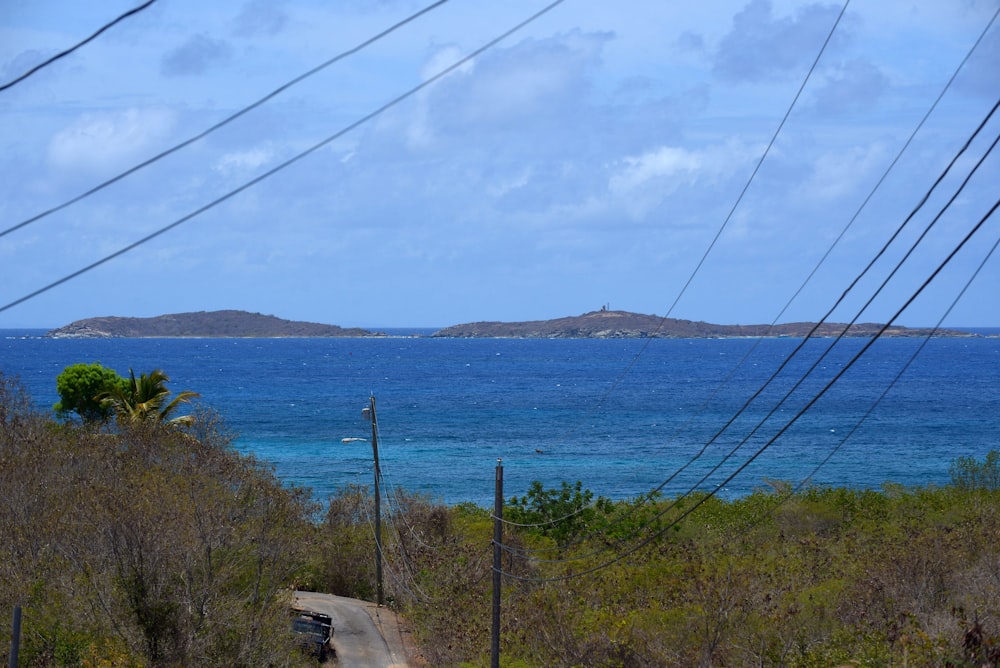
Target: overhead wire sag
[
  {"x": 394, "y": 500},
  {"x": 294, "y": 159},
  {"x": 840, "y": 236},
  {"x": 892, "y": 383},
  {"x": 802, "y": 343},
  {"x": 725, "y": 223},
  {"x": 649, "y": 539},
  {"x": 649, "y": 495},
  {"x": 843, "y": 333},
  {"x": 227, "y": 120},
  {"x": 66, "y": 52},
  {"x": 844, "y": 294},
  {"x": 405, "y": 577}
]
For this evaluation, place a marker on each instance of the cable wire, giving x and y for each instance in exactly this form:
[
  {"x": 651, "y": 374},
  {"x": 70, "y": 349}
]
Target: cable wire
[
  {"x": 289, "y": 162},
  {"x": 649, "y": 539},
  {"x": 651, "y": 494},
  {"x": 405, "y": 575},
  {"x": 906, "y": 365},
  {"x": 837, "y": 339},
  {"x": 226, "y": 121},
  {"x": 829, "y": 250},
  {"x": 840, "y": 236},
  {"x": 392, "y": 494},
  {"x": 850, "y": 287},
  {"x": 801, "y": 344},
  {"x": 621, "y": 377},
  {"x": 63, "y": 54}
]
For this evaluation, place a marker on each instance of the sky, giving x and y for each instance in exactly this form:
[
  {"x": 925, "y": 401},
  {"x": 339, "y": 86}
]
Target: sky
[{"x": 605, "y": 155}]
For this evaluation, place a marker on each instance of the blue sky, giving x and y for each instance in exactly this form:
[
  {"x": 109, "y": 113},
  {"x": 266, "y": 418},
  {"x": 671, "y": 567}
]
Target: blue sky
[{"x": 589, "y": 159}]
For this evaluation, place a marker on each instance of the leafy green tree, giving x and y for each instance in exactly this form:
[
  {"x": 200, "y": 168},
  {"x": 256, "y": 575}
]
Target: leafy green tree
[
  {"x": 147, "y": 398},
  {"x": 80, "y": 387},
  {"x": 561, "y": 513}
]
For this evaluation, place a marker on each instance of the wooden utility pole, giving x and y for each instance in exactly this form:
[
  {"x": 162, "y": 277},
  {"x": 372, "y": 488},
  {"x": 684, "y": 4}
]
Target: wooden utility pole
[
  {"x": 379, "y": 591},
  {"x": 497, "y": 565}
]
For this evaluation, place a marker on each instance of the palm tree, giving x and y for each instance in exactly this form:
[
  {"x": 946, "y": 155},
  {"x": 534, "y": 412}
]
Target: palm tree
[{"x": 147, "y": 398}]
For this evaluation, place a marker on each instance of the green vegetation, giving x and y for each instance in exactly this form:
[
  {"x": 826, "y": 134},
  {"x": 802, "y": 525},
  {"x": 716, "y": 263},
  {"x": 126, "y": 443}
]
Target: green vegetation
[
  {"x": 81, "y": 387},
  {"x": 146, "y": 399},
  {"x": 823, "y": 577},
  {"x": 151, "y": 545},
  {"x": 967, "y": 473},
  {"x": 95, "y": 393},
  {"x": 156, "y": 544},
  {"x": 562, "y": 514}
]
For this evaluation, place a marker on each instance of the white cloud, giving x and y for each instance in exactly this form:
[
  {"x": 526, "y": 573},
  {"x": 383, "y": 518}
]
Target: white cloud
[
  {"x": 244, "y": 161},
  {"x": 443, "y": 58},
  {"x": 837, "y": 173},
  {"x": 419, "y": 131},
  {"x": 592, "y": 130},
  {"x": 108, "y": 140},
  {"x": 531, "y": 82},
  {"x": 644, "y": 181},
  {"x": 662, "y": 163},
  {"x": 502, "y": 186}
]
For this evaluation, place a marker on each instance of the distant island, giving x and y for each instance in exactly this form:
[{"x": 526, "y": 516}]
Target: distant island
[
  {"x": 603, "y": 324},
  {"x": 606, "y": 324},
  {"x": 203, "y": 324}
]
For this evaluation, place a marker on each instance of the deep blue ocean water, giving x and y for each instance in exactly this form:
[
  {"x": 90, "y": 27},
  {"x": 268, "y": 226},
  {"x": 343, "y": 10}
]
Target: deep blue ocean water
[{"x": 622, "y": 416}]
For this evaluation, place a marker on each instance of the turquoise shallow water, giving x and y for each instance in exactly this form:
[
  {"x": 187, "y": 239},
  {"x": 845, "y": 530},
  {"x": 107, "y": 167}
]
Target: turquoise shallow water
[{"x": 620, "y": 416}]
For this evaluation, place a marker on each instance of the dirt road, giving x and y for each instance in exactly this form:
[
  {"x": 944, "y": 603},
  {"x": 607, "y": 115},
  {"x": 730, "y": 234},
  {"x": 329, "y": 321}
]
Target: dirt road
[{"x": 364, "y": 634}]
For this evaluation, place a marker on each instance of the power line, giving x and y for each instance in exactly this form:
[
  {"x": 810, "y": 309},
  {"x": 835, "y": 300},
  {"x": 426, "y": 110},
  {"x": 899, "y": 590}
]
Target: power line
[
  {"x": 802, "y": 343},
  {"x": 909, "y": 362},
  {"x": 287, "y": 163},
  {"x": 895, "y": 160},
  {"x": 226, "y": 121},
  {"x": 649, "y": 539},
  {"x": 843, "y": 233},
  {"x": 860, "y": 312},
  {"x": 851, "y": 286},
  {"x": 620, "y": 378},
  {"x": 760, "y": 162},
  {"x": 840, "y": 236},
  {"x": 811, "y": 369},
  {"x": 649, "y": 495},
  {"x": 419, "y": 595},
  {"x": 63, "y": 54}
]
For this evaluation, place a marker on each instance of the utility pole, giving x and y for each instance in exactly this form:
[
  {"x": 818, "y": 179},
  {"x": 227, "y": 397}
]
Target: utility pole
[
  {"x": 379, "y": 591},
  {"x": 497, "y": 554},
  {"x": 15, "y": 638}
]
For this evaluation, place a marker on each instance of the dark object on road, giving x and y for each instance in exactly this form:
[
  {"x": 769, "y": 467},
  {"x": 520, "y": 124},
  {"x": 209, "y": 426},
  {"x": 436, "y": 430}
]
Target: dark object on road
[{"x": 314, "y": 631}]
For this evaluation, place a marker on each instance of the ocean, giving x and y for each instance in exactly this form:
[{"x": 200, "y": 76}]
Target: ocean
[{"x": 621, "y": 416}]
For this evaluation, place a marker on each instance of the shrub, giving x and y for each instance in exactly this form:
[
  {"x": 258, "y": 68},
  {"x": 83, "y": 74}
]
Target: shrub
[{"x": 968, "y": 473}]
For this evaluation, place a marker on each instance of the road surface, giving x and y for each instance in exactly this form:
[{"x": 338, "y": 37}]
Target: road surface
[{"x": 364, "y": 635}]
